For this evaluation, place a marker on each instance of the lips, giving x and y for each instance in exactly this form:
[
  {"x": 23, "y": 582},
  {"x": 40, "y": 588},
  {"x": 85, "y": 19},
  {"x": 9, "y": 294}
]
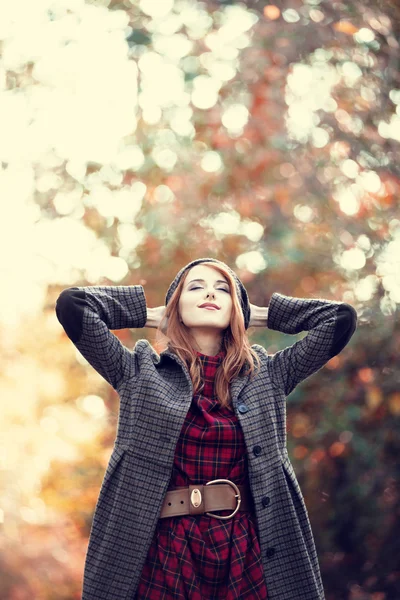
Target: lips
[{"x": 209, "y": 305}]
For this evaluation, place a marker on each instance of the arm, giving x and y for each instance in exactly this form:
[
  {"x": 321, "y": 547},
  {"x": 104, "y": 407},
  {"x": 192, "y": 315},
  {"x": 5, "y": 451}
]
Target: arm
[
  {"x": 330, "y": 325},
  {"x": 88, "y": 313}
]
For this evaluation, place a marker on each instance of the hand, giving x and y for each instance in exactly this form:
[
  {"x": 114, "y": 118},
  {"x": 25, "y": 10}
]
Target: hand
[
  {"x": 160, "y": 311},
  {"x": 155, "y": 316},
  {"x": 252, "y": 314},
  {"x": 258, "y": 316}
]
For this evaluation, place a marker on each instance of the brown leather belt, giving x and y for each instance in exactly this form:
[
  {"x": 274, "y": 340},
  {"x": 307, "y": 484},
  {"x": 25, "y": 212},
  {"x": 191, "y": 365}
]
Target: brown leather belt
[{"x": 218, "y": 494}]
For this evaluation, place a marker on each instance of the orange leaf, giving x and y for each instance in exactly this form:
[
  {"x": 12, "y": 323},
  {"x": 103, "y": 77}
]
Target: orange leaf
[
  {"x": 394, "y": 403},
  {"x": 345, "y": 27}
]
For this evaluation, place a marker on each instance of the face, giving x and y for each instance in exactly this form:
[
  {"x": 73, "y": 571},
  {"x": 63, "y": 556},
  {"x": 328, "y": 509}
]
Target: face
[{"x": 214, "y": 288}]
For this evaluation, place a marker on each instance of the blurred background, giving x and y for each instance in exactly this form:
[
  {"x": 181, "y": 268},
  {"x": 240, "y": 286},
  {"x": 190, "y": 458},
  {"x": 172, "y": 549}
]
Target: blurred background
[{"x": 138, "y": 135}]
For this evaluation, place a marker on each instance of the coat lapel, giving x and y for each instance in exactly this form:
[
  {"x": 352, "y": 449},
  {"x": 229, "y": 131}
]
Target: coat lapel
[{"x": 175, "y": 357}]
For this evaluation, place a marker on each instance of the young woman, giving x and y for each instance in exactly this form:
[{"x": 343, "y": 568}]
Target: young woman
[{"x": 199, "y": 499}]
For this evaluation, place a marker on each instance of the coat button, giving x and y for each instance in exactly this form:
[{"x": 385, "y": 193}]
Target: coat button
[
  {"x": 270, "y": 552},
  {"x": 243, "y": 408},
  {"x": 257, "y": 450},
  {"x": 265, "y": 501}
]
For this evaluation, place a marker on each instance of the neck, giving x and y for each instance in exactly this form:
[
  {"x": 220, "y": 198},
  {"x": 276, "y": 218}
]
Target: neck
[{"x": 207, "y": 342}]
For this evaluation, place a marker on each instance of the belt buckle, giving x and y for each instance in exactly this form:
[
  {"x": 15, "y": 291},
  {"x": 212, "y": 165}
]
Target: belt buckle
[{"x": 237, "y": 495}]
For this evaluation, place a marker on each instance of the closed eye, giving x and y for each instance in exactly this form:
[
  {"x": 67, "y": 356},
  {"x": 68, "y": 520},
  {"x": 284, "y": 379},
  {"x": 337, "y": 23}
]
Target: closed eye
[{"x": 199, "y": 288}]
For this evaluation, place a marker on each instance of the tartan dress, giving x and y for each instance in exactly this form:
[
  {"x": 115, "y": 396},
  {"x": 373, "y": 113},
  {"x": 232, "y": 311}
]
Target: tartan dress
[{"x": 199, "y": 557}]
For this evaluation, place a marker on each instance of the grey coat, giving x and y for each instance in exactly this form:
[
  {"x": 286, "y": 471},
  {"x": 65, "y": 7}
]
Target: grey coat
[{"x": 155, "y": 393}]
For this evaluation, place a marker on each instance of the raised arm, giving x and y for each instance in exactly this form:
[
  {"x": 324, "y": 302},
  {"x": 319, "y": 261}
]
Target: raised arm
[
  {"x": 88, "y": 313},
  {"x": 330, "y": 326}
]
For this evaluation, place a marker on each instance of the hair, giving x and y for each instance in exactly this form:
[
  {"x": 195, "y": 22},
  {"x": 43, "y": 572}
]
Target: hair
[{"x": 239, "y": 353}]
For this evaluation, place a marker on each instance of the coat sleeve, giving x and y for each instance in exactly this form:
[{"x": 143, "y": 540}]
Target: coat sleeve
[
  {"x": 88, "y": 313},
  {"x": 330, "y": 326}
]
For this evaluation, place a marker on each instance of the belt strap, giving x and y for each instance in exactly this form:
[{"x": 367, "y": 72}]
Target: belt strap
[{"x": 198, "y": 499}]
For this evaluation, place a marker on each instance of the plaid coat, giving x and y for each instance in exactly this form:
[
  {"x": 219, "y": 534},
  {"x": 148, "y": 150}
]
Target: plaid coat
[{"x": 155, "y": 394}]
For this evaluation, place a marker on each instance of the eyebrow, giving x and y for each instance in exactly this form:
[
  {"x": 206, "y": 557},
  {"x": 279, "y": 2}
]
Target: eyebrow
[{"x": 202, "y": 280}]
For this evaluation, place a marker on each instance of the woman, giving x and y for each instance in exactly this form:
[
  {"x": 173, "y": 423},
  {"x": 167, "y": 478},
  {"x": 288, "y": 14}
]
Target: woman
[{"x": 208, "y": 407}]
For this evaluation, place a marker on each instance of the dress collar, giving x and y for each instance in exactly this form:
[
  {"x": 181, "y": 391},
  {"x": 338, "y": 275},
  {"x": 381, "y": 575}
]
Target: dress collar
[{"x": 218, "y": 357}]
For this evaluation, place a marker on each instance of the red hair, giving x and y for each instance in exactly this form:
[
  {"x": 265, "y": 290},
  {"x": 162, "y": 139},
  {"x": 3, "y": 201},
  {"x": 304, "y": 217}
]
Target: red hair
[{"x": 235, "y": 341}]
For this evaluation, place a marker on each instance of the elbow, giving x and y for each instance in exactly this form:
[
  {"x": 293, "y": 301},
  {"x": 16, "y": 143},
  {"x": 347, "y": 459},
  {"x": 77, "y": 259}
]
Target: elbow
[
  {"x": 352, "y": 317},
  {"x": 66, "y": 301},
  {"x": 69, "y": 309},
  {"x": 346, "y": 324}
]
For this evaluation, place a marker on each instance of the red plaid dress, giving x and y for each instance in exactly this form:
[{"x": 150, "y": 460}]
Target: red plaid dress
[{"x": 199, "y": 557}]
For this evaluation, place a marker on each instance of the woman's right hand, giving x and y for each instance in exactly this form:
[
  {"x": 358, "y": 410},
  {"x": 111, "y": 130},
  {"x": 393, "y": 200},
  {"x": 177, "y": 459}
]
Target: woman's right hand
[{"x": 154, "y": 316}]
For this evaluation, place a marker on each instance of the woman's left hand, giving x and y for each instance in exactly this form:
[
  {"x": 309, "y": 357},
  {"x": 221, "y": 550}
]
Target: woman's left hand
[{"x": 258, "y": 316}]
